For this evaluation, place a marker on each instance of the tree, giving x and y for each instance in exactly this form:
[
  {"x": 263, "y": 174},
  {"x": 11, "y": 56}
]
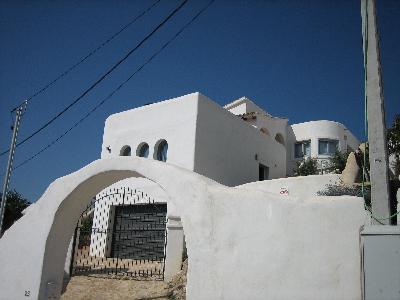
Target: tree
[
  {"x": 307, "y": 166},
  {"x": 15, "y": 204},
  {"x": 337, "y": 162},
  {"x": 393, "y": 137}
]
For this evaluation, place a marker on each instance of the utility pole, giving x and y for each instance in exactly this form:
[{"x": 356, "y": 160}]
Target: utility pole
[
  {"x": 20, "y": 111},
  {"x": 378, "y": 157}
]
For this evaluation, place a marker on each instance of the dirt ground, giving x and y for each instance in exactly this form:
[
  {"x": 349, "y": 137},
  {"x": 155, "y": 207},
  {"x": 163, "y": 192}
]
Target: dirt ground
[
  {"x": 89, "y": 287},
  {"x": 85, "y": 287}
]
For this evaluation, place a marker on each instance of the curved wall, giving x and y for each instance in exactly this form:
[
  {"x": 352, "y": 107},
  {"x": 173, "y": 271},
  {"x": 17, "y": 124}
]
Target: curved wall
[
  {"x": 315, "y": 130},
  {"x": 272, "y": 247}
]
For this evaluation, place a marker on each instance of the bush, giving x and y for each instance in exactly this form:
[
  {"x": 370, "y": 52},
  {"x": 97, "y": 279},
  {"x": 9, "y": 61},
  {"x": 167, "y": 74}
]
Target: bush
[
  {"x": 15, "y": 204},
  {"x": 340, "y": 190},
  {"x": 337, "y": 162},
  {"x": 393, "y": 137},
  {"x": 306, "y": 167},
  {"x": 85, "y": 231}
]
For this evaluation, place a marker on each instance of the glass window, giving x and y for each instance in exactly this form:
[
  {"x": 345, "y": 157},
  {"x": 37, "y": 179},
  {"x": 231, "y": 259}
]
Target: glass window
[
  {"x": 327, "y": 147},
  {"x": 162, "y": 151},
  {"x": 143, "y": 150},
  {"x": 307, "y": 148},
  {"x": 302, "y": 149},
  {"x": 125, "y": 151}
]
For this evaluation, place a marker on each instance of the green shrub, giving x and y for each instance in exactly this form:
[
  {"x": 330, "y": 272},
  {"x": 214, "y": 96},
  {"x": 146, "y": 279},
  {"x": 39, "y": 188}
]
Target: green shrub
[
  {"x": 305, "y": 167},
  {"x": 337, "y": 162},
  {"x": 340, "y": 190}
]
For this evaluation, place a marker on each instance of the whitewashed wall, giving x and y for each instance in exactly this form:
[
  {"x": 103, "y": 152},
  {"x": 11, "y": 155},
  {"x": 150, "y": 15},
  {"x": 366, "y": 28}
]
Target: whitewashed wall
[
  {"x": 301, "y": 186},
  {"x": 241, "y": 244},
  {"x": 242, "y": 106},
  {"x": 173, "y": 120},
  {"x": 262, "y": 120},
  {"x": 315, "y": 130},
  {"x": 226, "y": 147}
]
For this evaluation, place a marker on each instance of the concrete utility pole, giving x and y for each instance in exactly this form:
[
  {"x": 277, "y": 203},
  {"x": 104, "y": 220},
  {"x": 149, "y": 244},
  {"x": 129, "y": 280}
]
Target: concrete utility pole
[
  {"x": 378, "y": 157},
  {"x": 20, "y": 110}
]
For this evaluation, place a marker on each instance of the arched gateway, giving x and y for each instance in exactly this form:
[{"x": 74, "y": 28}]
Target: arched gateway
[
  {"x": 33, "y": 251},
  {"x": 242, "y": 242}
]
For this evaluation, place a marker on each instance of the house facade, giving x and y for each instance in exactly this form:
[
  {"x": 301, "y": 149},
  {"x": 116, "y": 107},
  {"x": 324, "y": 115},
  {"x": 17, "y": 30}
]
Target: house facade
[{"x": 233, "y": 145}]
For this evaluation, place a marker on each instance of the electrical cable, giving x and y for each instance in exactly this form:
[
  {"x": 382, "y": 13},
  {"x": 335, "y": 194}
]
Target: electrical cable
[
  {"x": 109, "y": 71},
  {"x": 83, "y": 59},
  {"x": 120, "y": 86}
]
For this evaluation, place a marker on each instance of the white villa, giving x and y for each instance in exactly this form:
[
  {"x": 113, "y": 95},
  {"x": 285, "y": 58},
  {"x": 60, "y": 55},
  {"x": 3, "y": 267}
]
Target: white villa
[
  {"x": 209, "y": 179},
  {"x": 233, "y": 145}
]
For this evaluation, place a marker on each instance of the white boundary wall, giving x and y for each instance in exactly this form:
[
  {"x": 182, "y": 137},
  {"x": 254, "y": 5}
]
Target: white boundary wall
[
  {"x": 301, "y": 186},
  {"x": 242, "y": 244}
]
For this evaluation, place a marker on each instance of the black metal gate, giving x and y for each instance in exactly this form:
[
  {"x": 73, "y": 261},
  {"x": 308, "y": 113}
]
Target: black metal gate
[{"x": 121, "y": 233}]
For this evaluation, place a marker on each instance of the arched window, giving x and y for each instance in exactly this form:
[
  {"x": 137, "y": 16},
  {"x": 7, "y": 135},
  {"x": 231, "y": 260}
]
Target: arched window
[
  {"x": 161, "y": 150},
  {"x": 265, "y": 131},
  {"x": 125, "y": 151},
  {"x": 279, "y": 138},
  {"x": 143, "y": 150}
]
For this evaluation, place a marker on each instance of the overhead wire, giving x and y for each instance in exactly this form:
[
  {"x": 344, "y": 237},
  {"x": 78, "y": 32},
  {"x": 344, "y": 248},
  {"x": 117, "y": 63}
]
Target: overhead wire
[
  {"x": 108, "y": 72},
  {"x": 92, "y": 52},
  {"x": 155, "y": 54}
]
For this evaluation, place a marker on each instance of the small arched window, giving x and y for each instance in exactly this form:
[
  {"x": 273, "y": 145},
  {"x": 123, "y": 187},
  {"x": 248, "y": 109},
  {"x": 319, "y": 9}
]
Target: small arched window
[
  {"x": 161, "y": 150},
  {"x": 125, "y": 151},
  {"x": 265, "y": 131},
  {"x": 143, "y": 150},
  {"x": 279, "y": 138}
]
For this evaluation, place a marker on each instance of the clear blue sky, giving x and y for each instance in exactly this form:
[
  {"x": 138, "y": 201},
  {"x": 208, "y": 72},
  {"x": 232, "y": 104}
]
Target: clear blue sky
[{"x": 298, "y": 59}]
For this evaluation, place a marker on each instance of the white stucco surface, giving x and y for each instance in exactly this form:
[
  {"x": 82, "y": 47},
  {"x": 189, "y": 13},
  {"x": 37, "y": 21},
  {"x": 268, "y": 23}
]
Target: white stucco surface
[
  {"x": 301, "y": 186},
  {"x": 202, "y": 137},
  {"x": 229, "y": 150},
  {"x": 216, "y": 141},
  {"x": 242, "y": 106},
  {"x": 315, "y": 130},
  {"x": 174, "y": 249},
  {"x": 241, "y": 244},
  {"x": 172, "y": 120}
]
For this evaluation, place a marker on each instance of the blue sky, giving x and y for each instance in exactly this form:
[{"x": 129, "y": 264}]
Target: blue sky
[{"x": 297, "y": 59}]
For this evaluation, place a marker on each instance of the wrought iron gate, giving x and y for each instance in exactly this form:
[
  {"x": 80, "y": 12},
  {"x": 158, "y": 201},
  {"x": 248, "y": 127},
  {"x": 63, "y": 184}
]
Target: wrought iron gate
[{"x": 121, "y": 233}]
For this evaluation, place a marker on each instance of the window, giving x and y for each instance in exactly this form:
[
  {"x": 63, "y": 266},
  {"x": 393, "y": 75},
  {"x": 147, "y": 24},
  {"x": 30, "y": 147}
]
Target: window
[
  {"x": 125, "y": 151},
  {"x": 161, "y": 150},
  {"x": 265, "y": 131},
  {"x": 302, "y": 149},
  {"x": 327, "y": 147},
  {"x": 263, "y": 172},
  {"x": 143, "y": 150},
  {"x": 279, "y": 138}
]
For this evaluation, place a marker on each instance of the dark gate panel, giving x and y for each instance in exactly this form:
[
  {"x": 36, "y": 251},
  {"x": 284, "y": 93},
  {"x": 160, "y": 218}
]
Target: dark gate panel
[
  {"x": 139, "y": 231},
  {"x": 136, "y": 240}
]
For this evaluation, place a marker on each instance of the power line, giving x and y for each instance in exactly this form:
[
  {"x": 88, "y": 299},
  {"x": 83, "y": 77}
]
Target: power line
[
  {"x": 41, "y": 90},
  {"x": 120, "y": 86},
  {"x": 100, "y": 79}
]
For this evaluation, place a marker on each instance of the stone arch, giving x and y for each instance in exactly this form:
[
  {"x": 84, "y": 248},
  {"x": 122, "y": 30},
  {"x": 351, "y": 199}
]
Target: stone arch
[
  {"x": 39, "y": 241},
  {"x": 215, "y": 239}
]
